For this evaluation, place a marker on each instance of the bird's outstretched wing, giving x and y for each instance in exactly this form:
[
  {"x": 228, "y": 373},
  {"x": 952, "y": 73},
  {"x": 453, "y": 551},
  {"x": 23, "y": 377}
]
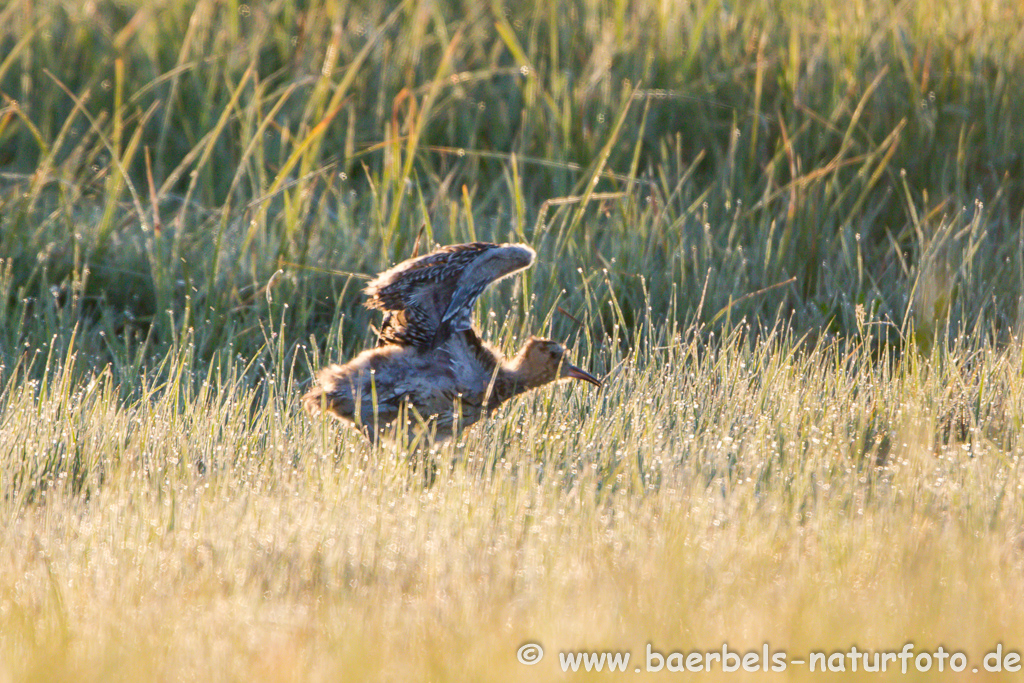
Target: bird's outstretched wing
[{"x": 428, "y": 298}]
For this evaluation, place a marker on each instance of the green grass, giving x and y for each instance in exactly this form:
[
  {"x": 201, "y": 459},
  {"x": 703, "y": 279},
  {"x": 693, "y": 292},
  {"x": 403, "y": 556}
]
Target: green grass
[{"x": 788, "y": 233}]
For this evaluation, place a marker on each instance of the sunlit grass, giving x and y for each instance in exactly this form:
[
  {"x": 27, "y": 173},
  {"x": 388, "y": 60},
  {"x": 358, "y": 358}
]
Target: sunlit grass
[
  {"x": 709, "y": 493},
  {"x": 787, "y": 234}
]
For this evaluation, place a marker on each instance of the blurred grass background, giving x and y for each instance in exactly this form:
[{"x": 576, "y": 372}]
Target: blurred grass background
[
  {"x": 788, "y": 233},
  {"x": 167, "y": 165}
]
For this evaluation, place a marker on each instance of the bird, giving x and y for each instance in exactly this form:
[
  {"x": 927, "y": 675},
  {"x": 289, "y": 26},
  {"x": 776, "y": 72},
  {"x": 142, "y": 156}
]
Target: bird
[{"x": 430, "y": 369}]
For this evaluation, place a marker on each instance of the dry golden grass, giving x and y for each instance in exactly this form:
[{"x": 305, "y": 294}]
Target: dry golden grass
[
  {"x": 192, "y": 190},
  {"x": 718, "y": 493}
]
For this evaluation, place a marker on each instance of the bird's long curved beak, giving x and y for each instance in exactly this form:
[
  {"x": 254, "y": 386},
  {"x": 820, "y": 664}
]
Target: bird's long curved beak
[{"x": 570, "y": 370}]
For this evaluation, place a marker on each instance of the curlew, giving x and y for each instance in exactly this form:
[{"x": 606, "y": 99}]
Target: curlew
[{"x": 430, "y": 367}]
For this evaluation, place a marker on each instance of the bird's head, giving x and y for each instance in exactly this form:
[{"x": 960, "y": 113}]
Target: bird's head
[{"x": 543, "y": 361}]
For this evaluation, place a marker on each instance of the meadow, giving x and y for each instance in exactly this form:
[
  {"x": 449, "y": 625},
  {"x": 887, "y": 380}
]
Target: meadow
[{"x": 788, "y": 234}]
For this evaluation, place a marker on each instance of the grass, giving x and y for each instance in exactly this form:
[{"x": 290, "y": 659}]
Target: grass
[
  {"x": 789, "y": 235},
  {"x": 721, "y": 493}
]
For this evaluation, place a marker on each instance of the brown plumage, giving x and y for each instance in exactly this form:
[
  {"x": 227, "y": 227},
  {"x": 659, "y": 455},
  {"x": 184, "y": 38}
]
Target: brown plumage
[
  {"x": 428, "y": 298},
  {"x": 430, "y": 368}
]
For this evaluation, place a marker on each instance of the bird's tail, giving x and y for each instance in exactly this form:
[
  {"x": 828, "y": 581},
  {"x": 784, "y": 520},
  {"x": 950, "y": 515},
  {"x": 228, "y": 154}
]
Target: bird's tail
[
  {"x": 330, "y": 394},
  {"x": 314, "y": 401}
]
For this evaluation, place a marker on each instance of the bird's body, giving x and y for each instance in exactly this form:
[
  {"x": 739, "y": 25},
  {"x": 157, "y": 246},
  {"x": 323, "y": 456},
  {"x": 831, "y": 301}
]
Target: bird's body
[{"x": 430, "y": 368}]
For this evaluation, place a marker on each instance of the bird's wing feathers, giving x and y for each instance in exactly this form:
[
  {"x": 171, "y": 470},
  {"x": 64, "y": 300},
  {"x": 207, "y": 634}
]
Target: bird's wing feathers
[{"x": 426, "y": 299}]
